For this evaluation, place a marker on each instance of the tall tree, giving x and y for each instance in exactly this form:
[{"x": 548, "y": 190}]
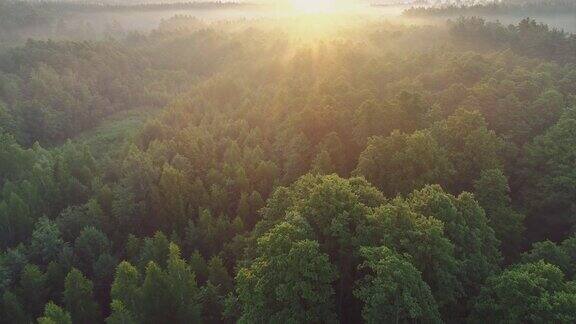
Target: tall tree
[
  {"x": 493, "y": 194},
  {"x": 549, "y": 190},
  {"x": 33, "y": 290},
  {"x": 401, "y": 163},
  {"x": 126, "y": 288},
  {"x": 46, "y": 241},
  {"x": 170, "y": 295},
  {"x": 466, "y": 225},
  {"x": 471, "y": 147},
  {"x": 54, "y": 314},
  {"x": 79, "y": 299},
  {"x": 289, "y": 281},
  {"x": 393, "y": 290},
  {"x": 397, "y": 226},
  {"x": 89, "y": 246},
  {"x": 533, "y": 292}
]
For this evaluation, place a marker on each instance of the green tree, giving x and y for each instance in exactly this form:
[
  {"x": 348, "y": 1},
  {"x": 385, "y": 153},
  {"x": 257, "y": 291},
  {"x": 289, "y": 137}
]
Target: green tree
[
  {"x": 218, "y": 275},
  {"x": 569, "y": 246},
  {"x": 126, "y": 288},
  {"x": 549, "y": 190},
  {"x": 493, "y": 194},
  {"x": 393, "y": 290},
  {"x": 550, "y": 253},
  {"x": 397, "y": 226},
  {"x": 289, "y": 281},
  {"x": 78, "y": 298},
  {"x": 199, "y": 266},
  {"x": 74, "y": 219},
  {"x": 466, "y": 225},
  {"x": 104, "y": 270},
  {"x": 12, "y": 309},
  {"x": 89, "y": 246},
  {"x": 33, "y": 289},
  {"x": 529, "y": 293},
  {"x": 120, "y": 315},
  {"x": 156, "y": 249},
  {"x": 401, "y": 163},
  {"x": 12, "y": 262},
  {"x": 170, "y": 199},
  {"x": 155, "y": 303},
  {"x": 212, "y": 304},
  {"x": 15, "y": 220},
  {"x": 322, "y": 164},
  {"x": 369, "y": 120},
  {"x": 185, "y": 295},
  {"x": 54, "y": 314},
  {"x": 171, "y": 295},
  {"x": 46, "y": 241},
  {"x": 470, "y": 145}
]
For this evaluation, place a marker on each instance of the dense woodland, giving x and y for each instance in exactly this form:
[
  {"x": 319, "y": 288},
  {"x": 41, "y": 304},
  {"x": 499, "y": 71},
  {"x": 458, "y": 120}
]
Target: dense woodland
[
  {"x": 362, "y": 172},
  {"x": 490, "y": 7},
  {"x": 85, "y": 20}
]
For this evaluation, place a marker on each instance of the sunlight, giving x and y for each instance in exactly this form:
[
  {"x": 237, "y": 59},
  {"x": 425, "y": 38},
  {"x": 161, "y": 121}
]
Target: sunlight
[{"x": 313, "y": 6}]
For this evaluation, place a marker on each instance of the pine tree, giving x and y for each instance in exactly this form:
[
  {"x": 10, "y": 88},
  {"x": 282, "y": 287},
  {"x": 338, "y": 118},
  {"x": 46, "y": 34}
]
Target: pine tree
[
  {"x": 79, "y": 299},
  {"x": 54, "y": 314}
]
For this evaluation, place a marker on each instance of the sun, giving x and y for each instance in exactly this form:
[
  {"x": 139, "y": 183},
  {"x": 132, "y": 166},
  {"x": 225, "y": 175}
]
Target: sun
[{"x": 313, "y": 6}]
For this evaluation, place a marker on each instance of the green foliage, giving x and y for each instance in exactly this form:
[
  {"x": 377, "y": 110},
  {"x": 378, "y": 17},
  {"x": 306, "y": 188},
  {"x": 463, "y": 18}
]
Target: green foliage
[
  {"x": 290, "y": 280},
  {"x": 54, "y": 314},
  {"x": 393, "y": 290},
  {"x": 212, "y": 304},
  {"x": 561, "y": 255},
  {"x": 472, "y": 147},
  {"x": 551, "y": 186},
  {"x": 466, "y": 225},
  {"x": 15, "y": 220},
  {"x": 13, "y": 309},
  {"x": 534, "y": 292},
  {"x": 73, "y": 220},
  {"x": 33, "y": 289},
  {"x": 120, "y": 315},
  {"x": 527, "y": 38},
  {"x": 218, "y": 275},
  {"x": 15, "y": 160},
  {"x": 199, "y": 266},
  {"x": 155, "y": 249},
  {"x": 550, "y": 253},
  {"x": 401, "y": 163},
  {"x": 163, "y": 295},
  {"x": 12, "y": 262},
  {"x": 78, "y": 298},
  {"x": 61, "y": 99},
  {"x": 248, "y": 170},
  {"x": 493, "y": 194},
  {"x": 89, "y": 246},
  {"x": 170, "y": 295},
  {"x": 46, "y": 241},
  {"x": 446, "y": 239},
  {"x": 407, "y": 232},
  {"x": 125, "y": 291}
]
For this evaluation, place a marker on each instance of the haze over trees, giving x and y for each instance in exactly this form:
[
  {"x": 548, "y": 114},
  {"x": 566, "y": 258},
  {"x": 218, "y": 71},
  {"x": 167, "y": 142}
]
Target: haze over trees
[{"x": 278, "y": 171}]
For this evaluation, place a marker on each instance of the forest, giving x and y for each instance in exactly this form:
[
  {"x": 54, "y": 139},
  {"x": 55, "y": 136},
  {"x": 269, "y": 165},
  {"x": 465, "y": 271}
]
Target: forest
[
  {"x": 559, "y": 14},
  {"x": 510, "y": 7},
  {"x": 315, "y": 168},
  {"x": 88, "y": 20}
]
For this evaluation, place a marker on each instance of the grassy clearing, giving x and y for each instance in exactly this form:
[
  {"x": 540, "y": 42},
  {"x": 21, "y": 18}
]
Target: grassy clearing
[{"x": 114, "y": 131}]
